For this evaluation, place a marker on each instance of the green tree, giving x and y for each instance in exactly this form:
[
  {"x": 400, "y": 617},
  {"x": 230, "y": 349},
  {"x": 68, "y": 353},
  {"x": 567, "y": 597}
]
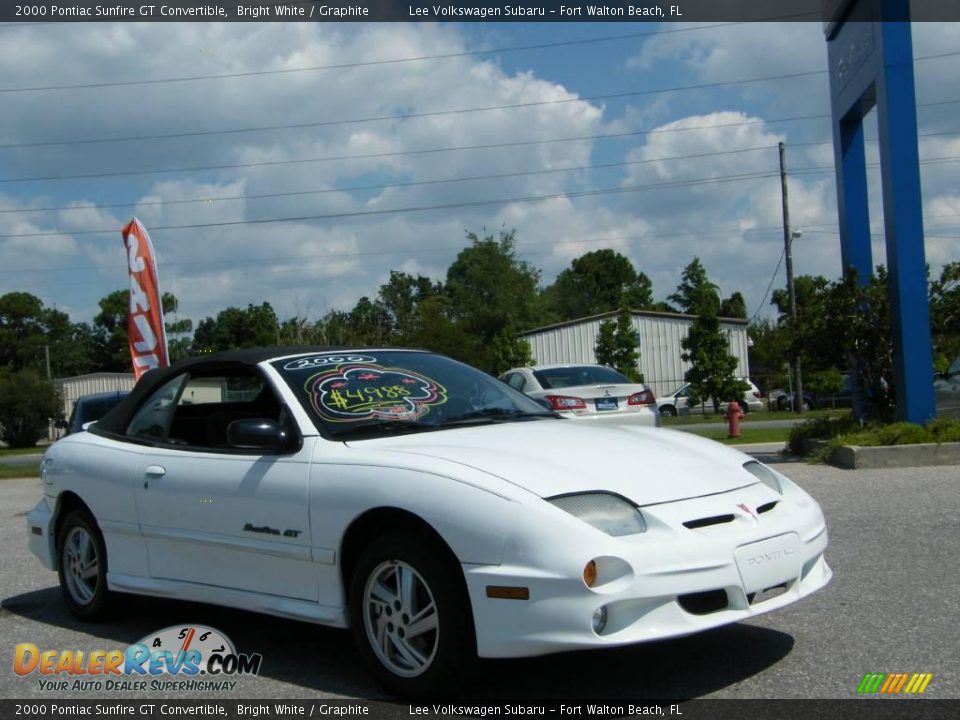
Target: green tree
[
  {"x": 434, "y": 328},
  {"x": 399, "y": 297},
  {"x": 816, "y": 335},
  {"x": 858, "y": 326},
  {"x": 508, "y": 350},
  {"x": 27, "y": 403},
  {"x": 110, "y": 328},
  {"x": 179, "y": 331},
  {"x": 825, "y": 383},
  {"x": 605, "y": 348},
  {"x": 692, "y": 283},
  {"x": 28, "y": 329},
  {"x": 617, "y": 344},
  {"x": 22, "y": 330},
  {"x": 945, "y": 315},
  {"x": 370, "y": 323},
  {"x": 237, "y": 328},
  {"x": 707, "y": 349},
  {"x": 490, "y": 289},
  {"x": 597, "y": 282},
  {"x": 768, "y": 354},
  {"x": 734, "y": 307},
  {"x": 332, "y": 329}
]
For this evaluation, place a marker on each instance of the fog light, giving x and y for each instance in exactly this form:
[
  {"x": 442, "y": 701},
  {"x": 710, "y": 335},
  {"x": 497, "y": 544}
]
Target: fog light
[
  {"x": 599, "y": 619},
  {"x": 590, "y": 573}
]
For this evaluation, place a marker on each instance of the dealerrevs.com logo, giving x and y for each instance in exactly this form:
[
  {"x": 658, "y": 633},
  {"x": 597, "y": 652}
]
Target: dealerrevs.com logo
[{"x": 177, "y": 658}]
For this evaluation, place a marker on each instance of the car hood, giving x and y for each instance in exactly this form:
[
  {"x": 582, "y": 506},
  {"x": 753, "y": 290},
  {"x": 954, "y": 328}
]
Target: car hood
[{"x": 555, "y": 457}]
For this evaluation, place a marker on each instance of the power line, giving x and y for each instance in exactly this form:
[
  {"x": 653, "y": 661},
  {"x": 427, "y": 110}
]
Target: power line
[
  {"x": 457, "y": 148},
  {"x": 280, "y": 259},
  {"x": 436, "y": 113},
  {"x": 475, "y": 203},
  {"x": 769, "y": 285},
  {"x": 391, "y": 61},
  {"x": 443, "y": 206},
  {"x": 403, "y": 153},
  {"x": 357, "y": 188},
  {"x": 425, "y": 114}
]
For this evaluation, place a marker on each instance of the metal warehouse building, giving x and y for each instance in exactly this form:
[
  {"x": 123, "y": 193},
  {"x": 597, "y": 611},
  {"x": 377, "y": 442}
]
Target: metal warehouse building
[
  {"x": 658, "y": 334},
  {"x": 74, "y": 387}
]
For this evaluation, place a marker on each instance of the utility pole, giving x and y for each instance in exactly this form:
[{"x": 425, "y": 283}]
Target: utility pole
[{"x": 788, "y": 252}]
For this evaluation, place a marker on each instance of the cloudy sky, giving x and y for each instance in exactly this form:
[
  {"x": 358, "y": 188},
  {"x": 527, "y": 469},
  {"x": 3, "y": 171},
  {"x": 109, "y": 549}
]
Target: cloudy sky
[{"x": 578, "y": 136}]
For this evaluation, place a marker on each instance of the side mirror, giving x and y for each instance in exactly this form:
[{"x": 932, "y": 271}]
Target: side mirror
[{"x": 256, "y": 434}]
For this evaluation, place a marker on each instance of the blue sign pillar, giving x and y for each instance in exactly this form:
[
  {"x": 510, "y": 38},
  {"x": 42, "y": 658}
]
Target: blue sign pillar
[{"x": 871, "y": 64}]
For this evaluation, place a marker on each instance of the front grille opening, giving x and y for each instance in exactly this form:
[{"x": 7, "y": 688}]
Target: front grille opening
[
  {"x": 767, "y": 507},
  {"x": 704, "y": 603},
  {"x": 707, "y": 521},
  {"x": 767, "y": 594}
]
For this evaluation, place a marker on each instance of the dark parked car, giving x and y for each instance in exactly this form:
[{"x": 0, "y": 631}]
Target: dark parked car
[
  {"x": 812, "y": 400},
  {"x": 947, "y": 391},
  {"x": 90, "y": 408}
]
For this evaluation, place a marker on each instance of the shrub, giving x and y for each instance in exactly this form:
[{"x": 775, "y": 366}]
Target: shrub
[
  {"x": 903, "y": 433},
  {"x": 27, "y": 402},
  {"x": 819, "y": 429},
  {"x": 944, "y": 430}
]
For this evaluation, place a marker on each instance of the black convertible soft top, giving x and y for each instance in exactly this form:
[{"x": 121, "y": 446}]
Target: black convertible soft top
[{"x": 116, "y": 421}]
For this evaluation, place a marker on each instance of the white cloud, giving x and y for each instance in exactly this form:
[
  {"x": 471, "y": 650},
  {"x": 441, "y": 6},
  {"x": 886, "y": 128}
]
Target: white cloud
[{"x": 330, "y": 262}]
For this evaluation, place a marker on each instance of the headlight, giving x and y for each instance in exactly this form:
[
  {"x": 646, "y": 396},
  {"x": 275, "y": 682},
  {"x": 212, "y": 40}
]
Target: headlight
[
  {"x": 764, "y": 474},
  {"x": 609, "y": 513}
]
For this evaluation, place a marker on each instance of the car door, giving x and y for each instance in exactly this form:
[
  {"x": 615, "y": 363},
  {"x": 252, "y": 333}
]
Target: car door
[{"x": 219, "y": 515}]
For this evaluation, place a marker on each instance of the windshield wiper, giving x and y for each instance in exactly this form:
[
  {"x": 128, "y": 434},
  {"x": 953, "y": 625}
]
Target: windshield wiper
[
  {"x": 492, "y": 415},
  {"x": 384, "y": 427}
]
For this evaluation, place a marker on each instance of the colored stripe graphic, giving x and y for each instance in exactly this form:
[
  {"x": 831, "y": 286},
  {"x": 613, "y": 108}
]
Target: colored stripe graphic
[
  {"x": 871, "y": 683},
  {"x": 894, "y": 683}
]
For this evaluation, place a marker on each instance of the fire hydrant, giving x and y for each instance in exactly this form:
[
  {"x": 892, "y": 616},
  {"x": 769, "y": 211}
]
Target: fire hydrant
[{"x": 733, "y": 413}]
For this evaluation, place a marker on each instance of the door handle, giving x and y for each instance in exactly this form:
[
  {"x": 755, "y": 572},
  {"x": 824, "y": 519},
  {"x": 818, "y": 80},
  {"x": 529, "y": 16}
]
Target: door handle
[{"x": 155, "y": 471}]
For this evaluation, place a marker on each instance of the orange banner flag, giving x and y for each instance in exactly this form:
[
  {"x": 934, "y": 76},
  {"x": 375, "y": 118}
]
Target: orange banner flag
[{"x": 148, "y": 337}]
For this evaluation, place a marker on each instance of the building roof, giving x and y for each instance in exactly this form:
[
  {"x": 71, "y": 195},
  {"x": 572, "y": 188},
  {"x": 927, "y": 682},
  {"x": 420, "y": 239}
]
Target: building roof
[{"x": 613, "y": 313}]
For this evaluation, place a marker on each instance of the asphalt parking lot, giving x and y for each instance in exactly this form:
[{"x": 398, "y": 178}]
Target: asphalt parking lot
[{"x": 893, "y": 606}]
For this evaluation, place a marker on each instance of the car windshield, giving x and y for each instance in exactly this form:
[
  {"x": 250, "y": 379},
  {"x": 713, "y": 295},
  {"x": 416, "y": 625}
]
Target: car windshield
[
  {"x": 562, "y": 377},
  {"x": 368, "y": 394}
]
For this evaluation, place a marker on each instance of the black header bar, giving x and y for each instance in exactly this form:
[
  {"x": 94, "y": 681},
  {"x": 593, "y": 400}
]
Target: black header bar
[{"x": 333, "y": 11}]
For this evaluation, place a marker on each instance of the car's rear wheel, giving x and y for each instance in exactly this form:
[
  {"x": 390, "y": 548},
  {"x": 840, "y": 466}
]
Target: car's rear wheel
[
  {"x": 82, "y": 566},
  {"x": 410, "y": 615},
  {"x": 668, "y": 411}
]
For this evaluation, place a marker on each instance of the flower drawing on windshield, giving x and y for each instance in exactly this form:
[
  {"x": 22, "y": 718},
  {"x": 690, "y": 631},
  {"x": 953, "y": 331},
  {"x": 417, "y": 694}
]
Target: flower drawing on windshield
[{"x": 349, "y": 393}]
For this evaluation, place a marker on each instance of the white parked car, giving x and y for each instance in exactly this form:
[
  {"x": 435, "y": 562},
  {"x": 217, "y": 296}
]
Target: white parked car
[
  {"x": 678, "y": 402},
  {"x": 587, "y": 392},
  {"x": 433, "y": 510}
]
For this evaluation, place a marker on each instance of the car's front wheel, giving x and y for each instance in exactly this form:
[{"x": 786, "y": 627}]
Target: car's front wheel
[
  {"x": 410, "y": 614},
  {"x": 82, "y": 566},
  {"x": 668, "y": 411}
]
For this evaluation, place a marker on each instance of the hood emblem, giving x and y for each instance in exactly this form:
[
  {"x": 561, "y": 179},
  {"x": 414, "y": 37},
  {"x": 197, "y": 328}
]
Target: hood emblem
[{"x": 747, "y": 510}]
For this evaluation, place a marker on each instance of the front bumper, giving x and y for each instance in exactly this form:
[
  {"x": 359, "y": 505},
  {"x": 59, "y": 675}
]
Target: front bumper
[
  {"x": 40, "y": 534},
  {"x": 668, "y": 582}
]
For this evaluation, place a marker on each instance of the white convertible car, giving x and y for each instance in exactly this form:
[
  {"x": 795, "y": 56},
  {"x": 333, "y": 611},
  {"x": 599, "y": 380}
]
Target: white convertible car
[{"x": 435, "y": 511}]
